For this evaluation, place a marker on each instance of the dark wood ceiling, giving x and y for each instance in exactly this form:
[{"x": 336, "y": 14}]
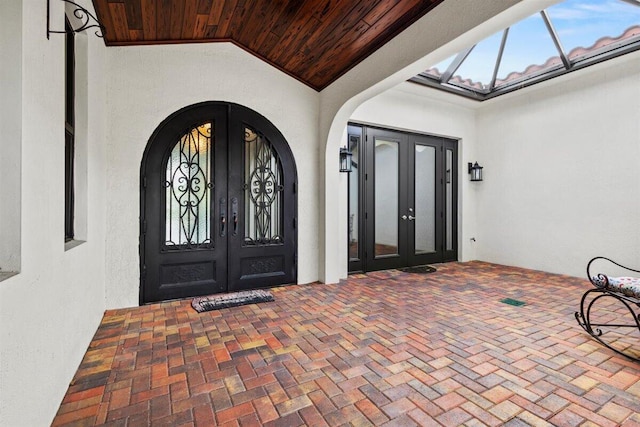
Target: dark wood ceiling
[{"x": 315, "y": 41}]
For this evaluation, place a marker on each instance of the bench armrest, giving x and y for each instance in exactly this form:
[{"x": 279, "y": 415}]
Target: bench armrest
[{"x": 601, "y": 280}]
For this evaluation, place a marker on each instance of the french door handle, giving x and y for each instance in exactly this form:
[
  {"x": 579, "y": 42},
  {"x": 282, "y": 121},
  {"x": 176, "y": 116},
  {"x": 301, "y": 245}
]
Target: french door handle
[
  {"x": 223, "y": 216},
  {"x": 411, "y": 217},
  {"x": 234, "y": 213}
]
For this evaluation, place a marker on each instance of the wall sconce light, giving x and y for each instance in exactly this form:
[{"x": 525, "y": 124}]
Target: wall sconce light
[
  {"x": 345, "y": 159},
  {"x": 475, "y": 170}
]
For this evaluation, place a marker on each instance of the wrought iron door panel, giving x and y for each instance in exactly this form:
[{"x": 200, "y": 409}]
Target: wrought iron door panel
[
  {"x": 188, "y": 191},
  {"x": 203, "y": 167},
  {"x": 251, "y": 268},
  {"x": 184, "y": 170},
  {"x": 172, "y": 275},
  {"x": 262, "y": 180}
]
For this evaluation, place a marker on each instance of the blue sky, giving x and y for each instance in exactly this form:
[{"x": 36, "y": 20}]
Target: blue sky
[{"x": 579, "y": 23}]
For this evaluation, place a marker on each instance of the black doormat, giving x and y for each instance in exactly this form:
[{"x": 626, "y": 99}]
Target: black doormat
[
  {"x": 216, "y": 302},
  {"x": 418, "y": 269}
]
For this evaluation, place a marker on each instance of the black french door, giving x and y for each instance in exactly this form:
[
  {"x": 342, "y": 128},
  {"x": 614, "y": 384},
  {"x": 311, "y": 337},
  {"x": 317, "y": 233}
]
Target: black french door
[
  {"x": 218, "y": 204},
  {"x": 402, "y": 199}
]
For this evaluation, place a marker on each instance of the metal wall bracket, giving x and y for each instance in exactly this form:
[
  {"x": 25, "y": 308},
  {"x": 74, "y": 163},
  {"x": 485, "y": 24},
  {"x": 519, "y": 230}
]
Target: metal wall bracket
[{"x": 87, "y": 18}]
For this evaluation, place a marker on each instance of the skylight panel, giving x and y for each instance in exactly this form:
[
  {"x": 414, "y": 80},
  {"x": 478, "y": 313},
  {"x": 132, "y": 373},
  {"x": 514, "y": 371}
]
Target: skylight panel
[
  {"x": 589, "y": 27},
  {"x": 563, "y": 38},
  {"x": 477, "y": 69},
  {"x": 439, "y": 69},
  {"x": 529, "y": 51}
]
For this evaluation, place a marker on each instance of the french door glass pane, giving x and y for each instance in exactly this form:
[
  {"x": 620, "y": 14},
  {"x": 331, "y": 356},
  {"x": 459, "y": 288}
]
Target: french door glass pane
[
  {"x": 354, "y": 179},
  {"x": 386, "y": 197},
  {"x": 188, "y": 188},
  {"x": 264, "y": 209},
  {"x": 425, "y": 197},
  {"x": 449, "y": 200}
]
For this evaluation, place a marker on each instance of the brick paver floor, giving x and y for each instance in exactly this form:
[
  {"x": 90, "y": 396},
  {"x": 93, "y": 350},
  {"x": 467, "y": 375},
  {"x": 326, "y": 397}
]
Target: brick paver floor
[{"x": 385, "y": 348}]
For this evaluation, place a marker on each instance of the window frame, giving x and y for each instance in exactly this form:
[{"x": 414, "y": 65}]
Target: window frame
[{"x": 69, "y": 148}]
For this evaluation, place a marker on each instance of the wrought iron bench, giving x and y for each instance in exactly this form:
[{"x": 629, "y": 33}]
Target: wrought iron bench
[{"x": 626, "y": 290}]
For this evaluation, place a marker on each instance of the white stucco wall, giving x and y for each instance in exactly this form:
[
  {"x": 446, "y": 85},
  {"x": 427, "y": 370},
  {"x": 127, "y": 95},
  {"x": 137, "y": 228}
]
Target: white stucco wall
[
  {"x": 414, "y": 108},
  {"x": 50, "y": 311},
  {"x": 146, "y": 85},
  {"x": 561, "y": 175},
  {"x": 10, "y": 133}
]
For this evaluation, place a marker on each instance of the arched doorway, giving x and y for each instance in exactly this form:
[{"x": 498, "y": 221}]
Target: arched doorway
[{"x": 218, "y": 204}]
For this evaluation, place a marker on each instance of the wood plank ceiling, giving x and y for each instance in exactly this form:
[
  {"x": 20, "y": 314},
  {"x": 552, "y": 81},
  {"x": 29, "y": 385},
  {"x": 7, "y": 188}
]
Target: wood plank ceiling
[{"x": 315, "y": 41}]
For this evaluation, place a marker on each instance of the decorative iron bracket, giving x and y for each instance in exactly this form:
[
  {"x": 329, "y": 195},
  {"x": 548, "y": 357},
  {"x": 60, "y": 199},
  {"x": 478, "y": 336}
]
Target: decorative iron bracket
[{"x": 87, "y": 18}]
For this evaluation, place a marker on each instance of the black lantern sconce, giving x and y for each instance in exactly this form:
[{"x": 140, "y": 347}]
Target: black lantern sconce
[
  {"x": 345, "y": 159},
  {"x": 475, "y": 170}
]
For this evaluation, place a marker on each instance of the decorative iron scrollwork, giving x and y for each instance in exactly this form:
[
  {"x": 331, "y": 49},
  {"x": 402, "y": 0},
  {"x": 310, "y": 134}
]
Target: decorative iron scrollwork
[
  {"x": 187, "y": 214},
  {"x": 87, "y": 18},
  {"x": 263, "y": 191}
]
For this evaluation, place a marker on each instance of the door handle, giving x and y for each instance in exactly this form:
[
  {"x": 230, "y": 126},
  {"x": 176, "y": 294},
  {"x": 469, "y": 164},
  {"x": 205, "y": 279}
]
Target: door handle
[
  {"x": 223, "y": 216},
  {"x": 234, "y": 214},
  {"x": 411, "y": 217}
]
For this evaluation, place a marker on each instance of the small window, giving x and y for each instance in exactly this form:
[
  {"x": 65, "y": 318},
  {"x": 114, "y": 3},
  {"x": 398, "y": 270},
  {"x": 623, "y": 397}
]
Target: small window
[{"x": 69, "y": 132}]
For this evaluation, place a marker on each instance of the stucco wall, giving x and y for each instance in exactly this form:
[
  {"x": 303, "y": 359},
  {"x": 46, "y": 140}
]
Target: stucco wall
[
  {"x": 11, "y": 133},
  {"x": 561, "y": 176},
  {"x": 159, "y": 80},
  {"x": 50, "y": 311}
]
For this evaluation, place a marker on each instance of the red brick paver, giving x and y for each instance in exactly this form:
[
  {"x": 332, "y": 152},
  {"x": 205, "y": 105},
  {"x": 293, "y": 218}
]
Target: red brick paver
[{"x": 385, "y": 348}]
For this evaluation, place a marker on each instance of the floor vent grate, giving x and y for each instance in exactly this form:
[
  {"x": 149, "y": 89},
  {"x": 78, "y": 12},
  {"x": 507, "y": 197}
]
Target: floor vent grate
[{"x": 512, "y": 302}]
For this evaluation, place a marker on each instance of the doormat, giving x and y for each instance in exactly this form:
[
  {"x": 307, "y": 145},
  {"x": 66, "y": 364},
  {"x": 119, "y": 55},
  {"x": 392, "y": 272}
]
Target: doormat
[
  {"x": 512, "y": 302},
  {"x": 418, "y": 269},
  {"x": 216, "y": 302}
]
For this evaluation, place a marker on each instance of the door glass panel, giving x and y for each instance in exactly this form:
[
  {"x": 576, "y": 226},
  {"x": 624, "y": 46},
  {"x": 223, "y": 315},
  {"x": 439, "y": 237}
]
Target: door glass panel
[
  {"x": 354, "y": 194},
  {"x": 449, "y": 200},
  {"x": 386, "y": 197},
  {"x": 263, "y": 188},
  {"x": 188, "y": 188},
  {"x": 425, "y": 197}
]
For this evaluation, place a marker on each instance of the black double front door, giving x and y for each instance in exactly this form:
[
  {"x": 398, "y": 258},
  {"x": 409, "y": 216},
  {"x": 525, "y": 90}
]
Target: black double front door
[
  {"x": 218, "y": 204},
  {"x": 402, "y": 199}
]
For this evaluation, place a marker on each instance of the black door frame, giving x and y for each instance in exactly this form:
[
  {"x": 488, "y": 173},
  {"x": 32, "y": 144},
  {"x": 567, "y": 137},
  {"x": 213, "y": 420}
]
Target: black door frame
[
  {"x": 250, "y": 268},
  {"x": 362, "y": 136}
]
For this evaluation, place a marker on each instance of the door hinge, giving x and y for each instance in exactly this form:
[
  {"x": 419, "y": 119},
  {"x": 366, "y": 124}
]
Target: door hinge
[
  {"x": 295, "y": 187},
  {"x": 441, "y": 215},
  {"x": 144, "y": 227},
  {"x": 295, "y": 223},
  {"x": 143, "y": 273},
  {"x": 366, "y": 176},
  {"x": 366, "y": 215},
  {"x": 144, "y": 182}
]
